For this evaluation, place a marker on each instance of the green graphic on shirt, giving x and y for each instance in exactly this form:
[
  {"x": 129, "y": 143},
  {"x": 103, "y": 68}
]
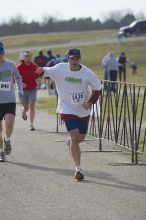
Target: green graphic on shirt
[
  {"x": 73, "y": 80},
  {"x": 5, "y": 74}
]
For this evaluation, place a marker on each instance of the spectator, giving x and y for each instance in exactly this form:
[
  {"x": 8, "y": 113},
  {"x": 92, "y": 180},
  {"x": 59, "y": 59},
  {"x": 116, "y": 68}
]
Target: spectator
[
  {"x": 106, "y": 73},
  {"x": 122, "y": 60},
  {"x": 134, "y": 68},
  {"x": 50, "y": 55},
  {"x": 41, "y": 60},
  {"x": 111, "y": 65}
]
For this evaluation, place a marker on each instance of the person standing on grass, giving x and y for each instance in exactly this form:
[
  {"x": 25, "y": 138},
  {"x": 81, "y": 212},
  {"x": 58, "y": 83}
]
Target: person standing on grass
[
  {"x": 134, "y": 68},
  {"x": 74, "y": 100},
  {"x": 106, "y": 73},
  {"x": 122, "y": 60},
  {"x": 41, "y": 60},
  {"x": 8, "y": 75},
  {"x": 28, "y": 69},
  {"x": 50, "y": 55},
  {"x": 111, "y": 65}
]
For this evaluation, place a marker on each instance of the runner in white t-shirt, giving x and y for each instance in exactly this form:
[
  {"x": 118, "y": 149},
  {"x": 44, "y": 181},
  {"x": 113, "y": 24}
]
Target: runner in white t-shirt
[{"x": 74, "y": 100}]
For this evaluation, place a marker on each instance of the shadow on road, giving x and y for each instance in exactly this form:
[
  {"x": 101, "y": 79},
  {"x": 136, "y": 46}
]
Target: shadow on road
[{"x": 97, "y": 177}]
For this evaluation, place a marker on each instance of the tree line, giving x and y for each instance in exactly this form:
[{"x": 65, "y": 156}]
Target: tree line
[{"x": 18, "y": 25}]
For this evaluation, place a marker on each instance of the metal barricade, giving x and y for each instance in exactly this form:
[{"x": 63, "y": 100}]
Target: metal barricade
[{"x": 120, "y": 117}]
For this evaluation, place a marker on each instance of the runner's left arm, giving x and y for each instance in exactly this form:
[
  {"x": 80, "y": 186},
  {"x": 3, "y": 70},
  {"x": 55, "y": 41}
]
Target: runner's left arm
[
  {"x": 18, "y": 80},
  {"x": 94, "y": 96},
  {"x": 96, "y": 88}
]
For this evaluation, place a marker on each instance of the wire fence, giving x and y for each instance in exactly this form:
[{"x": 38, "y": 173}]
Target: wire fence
[{"x": 119, "y": 116}]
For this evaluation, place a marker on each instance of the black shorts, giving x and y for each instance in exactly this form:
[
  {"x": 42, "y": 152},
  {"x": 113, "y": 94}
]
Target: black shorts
[{"x": 7, "y": 108}]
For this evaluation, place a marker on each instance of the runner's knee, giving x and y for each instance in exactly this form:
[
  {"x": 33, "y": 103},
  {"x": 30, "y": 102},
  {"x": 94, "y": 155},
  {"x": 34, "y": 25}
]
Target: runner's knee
[
  {"x": 32, "y": 105},
  {"x": 26, "y": 108},
  {"x": 75, "y": 138}
]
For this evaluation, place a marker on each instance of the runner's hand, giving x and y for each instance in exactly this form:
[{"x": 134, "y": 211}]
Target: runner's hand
[
  {"x": 20, "y": 93},
  {"x": 40, "y": 70},
  {"x": 24, "y": 85}
]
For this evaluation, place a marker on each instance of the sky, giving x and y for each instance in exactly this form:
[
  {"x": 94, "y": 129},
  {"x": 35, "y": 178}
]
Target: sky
[{"x": 66, "y": 9}]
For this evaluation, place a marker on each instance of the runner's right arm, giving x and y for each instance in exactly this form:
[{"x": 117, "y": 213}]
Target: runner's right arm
[{"x": 51, "y": 72}]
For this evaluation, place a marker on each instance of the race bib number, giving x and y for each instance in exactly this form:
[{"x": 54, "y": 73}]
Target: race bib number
[
  {"x": 77, "y": 98},
  {"x": 5, "y": 86}
]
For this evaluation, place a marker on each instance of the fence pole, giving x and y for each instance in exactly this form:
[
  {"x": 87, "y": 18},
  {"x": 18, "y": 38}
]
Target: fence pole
[
  {"x": 100, "y": 119},
  {"x": 134, "y": 127},
  {"x": 57, "y": 116}
]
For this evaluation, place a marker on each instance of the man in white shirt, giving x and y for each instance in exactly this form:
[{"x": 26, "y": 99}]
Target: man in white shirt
[{"x": 74, "y": 100}]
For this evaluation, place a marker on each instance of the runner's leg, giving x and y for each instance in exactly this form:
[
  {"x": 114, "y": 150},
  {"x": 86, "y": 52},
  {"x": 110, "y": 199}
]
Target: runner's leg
[
  {"x": 25, "y": 108},
  {"x": 81, "y": 137},
  {"x": 25, "y": 105},
  {"x": 75, "y": 149},
  {"x": 2, "y": 154},
  {"x": 1, "y": 139},
  {"x": 32, "y": 111},
  {"x": 9, "y": 124},
  {"x": 77, "y": 129},
  {"x": 32, "y": 101}
]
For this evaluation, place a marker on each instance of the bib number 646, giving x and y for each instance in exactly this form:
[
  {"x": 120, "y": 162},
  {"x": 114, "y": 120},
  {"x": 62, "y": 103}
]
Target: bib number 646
[{"x": 4, "y": 86}]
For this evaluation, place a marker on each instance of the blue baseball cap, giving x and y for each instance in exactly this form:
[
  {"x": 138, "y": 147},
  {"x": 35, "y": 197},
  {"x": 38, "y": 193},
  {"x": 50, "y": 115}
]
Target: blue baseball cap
[
  {"x": 2, "y": 51},
  {"x": 74, "y": 53}
]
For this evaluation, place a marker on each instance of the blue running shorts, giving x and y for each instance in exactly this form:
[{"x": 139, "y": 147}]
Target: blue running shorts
[{"x": 77, "y": 123}]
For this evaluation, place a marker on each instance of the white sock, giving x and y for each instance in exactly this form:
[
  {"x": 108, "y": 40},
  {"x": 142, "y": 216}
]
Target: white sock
[
  {"x": 6, "y": 138},
  {"x": 78, "y": 168}
]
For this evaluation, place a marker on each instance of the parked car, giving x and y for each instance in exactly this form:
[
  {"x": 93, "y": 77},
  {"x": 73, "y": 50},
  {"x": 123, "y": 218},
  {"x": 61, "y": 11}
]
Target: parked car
[{"x": 135, "y": 28}]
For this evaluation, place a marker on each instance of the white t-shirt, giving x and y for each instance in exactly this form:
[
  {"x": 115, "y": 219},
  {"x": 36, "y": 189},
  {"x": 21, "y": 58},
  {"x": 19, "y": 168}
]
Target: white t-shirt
[{"x": 72, "y": 87}]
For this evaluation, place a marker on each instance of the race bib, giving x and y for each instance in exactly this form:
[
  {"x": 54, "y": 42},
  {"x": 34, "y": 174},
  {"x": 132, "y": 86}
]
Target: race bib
[
  {"x": 5, "y": 86},
  {"x": 77, "y": 98}
]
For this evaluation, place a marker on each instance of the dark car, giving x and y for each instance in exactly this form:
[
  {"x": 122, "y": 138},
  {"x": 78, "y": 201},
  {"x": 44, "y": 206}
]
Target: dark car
[{"x": 135, "y": 28}]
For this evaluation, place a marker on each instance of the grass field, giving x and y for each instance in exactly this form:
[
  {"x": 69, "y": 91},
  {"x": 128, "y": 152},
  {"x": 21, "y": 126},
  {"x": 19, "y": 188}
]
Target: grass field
[
  {"x": 47, "y": 104},
  {"x": 94, "y": 45}
]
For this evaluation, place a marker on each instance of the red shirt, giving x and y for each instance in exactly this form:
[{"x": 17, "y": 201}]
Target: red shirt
[{"x": 29, "y": 75}]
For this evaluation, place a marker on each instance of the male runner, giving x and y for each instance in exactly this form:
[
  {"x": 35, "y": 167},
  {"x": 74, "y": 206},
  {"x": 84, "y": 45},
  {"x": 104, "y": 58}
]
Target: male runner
[
  {"x": 74, "y": 100},
  {"x": 27, "y": 69},
  {"x": 8, "y": 73}
]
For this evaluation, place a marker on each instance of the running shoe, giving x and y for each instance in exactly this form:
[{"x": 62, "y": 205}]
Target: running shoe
[
  {"x": 2, "y": 156},
  {"x": 31, "y": 128},
  {"x": 7, "y": 147},
  {"x": 24, "y": 116},
  {"x": 79, "y": 175}
]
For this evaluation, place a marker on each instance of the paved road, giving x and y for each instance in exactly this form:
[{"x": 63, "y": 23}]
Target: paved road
[
  {"x": 36, "y": 182},
  {"x": 75, "y": 43}
]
